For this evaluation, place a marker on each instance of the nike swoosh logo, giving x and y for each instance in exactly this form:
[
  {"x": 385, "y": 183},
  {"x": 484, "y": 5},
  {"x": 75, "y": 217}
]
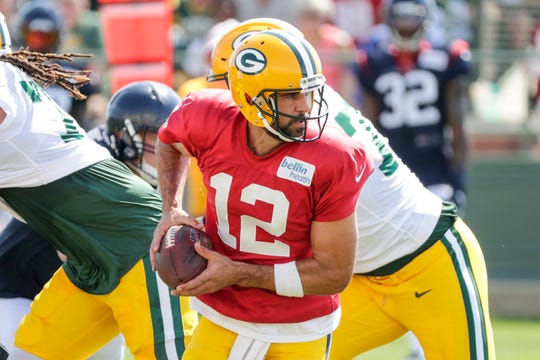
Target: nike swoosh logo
[
  {"x": 420, "y": 294},
  {"x": 359, "y": 176}
]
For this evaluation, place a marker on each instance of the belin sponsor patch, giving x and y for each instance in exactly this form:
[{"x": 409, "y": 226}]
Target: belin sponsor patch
[{"x": 296, "y": 170}]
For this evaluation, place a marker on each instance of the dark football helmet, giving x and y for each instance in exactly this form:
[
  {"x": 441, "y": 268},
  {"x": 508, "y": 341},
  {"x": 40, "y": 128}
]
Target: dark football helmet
[
  {"x": 407, "y": 20},
  {"x": 133, "y": 112},
  {"x": 40, "y": 26}
]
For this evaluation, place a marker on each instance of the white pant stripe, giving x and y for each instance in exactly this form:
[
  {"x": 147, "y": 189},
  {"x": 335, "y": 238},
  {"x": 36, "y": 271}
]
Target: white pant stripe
[
  {"x": 470, "y": 288},
  {"x": 168, "y": 325}
]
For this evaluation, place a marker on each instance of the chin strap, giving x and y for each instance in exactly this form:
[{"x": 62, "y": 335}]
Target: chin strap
[{"x": 273, "y": 131}]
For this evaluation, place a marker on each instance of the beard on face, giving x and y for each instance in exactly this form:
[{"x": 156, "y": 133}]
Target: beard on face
[{"x": 295, "y": 128}]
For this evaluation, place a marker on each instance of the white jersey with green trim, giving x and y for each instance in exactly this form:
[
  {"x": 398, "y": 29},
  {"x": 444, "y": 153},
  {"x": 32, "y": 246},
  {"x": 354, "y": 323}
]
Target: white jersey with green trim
[
  {"x": 396, "y": 213},
  {"x": 39, "y": 142}
]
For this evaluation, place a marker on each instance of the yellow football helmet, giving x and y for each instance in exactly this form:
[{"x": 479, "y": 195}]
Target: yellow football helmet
[
  {"x": 223, "y": 49},
  {"x": 5, "y": 39},
  {"x": 271, "y": 62}
]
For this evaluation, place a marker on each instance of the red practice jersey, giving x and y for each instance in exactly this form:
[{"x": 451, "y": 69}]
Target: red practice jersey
[{"x": 260, "y": 208}]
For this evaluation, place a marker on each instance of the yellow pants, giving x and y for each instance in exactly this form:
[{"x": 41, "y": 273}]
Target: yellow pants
[
  {"x": 441, "y": 295},
  {"x": 68, "y": 323},
  {"x": 212, "y": 342}
]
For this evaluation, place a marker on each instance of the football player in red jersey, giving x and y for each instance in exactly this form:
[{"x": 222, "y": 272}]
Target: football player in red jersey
[
  {"x": 282, "y": 190},
  {"x": 403, "y": 228}
]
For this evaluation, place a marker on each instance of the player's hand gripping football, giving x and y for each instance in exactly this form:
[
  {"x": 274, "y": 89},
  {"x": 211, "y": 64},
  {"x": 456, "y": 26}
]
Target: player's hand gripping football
[
  {"x": 220, "y": 272},
  {"x": 168, "y": 219}
]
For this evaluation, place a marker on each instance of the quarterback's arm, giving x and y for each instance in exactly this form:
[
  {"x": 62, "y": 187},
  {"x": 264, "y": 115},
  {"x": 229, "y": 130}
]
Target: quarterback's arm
[
  {"x": 328, "y": 271},
  {"x": 172, "y": 165}
]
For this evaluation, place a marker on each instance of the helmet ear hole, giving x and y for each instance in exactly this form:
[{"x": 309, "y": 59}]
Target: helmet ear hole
[{"x": 249, "y": 100}]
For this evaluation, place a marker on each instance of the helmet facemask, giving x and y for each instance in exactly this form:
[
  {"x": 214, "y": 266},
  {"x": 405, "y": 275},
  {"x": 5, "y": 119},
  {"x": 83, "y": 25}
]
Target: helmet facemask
[
  {"x": 131, "y": 148},
  {"x": 134, "y": 114},
  {"x": 269, "y": 112}
]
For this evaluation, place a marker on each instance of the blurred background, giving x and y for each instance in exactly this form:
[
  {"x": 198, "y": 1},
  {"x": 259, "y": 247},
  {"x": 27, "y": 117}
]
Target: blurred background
[{"x": 171, "y": 40}]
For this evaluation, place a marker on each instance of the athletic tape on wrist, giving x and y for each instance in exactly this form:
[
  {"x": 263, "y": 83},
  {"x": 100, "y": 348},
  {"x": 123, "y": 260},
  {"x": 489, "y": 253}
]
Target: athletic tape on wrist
[{"x": 287, "y": 280}]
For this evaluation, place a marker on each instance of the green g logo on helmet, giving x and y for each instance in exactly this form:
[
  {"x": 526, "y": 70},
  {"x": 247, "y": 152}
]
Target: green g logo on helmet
[{"x": 250, "y": 61}]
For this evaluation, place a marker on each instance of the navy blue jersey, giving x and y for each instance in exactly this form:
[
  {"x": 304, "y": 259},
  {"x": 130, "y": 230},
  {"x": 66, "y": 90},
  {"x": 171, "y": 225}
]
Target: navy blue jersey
[
  {"x": 410, "y": 90},
  {"x": 27, "y": 261}
]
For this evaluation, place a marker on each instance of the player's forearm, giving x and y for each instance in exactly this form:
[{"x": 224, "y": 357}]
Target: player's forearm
[
  {"x": 460, "y": 149},
  {"x": 460, "y": 152},
  {"x": 327, "y": 271},
  {"x": 172, "y": 168},
  {"x": 324, "y": 279},
  {"x": 315, "y": 278},
  {"x": 457, "y": 105}
]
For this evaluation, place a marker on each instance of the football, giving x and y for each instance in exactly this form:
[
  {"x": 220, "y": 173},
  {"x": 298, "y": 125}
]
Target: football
[{"x": 177, "y": 261}]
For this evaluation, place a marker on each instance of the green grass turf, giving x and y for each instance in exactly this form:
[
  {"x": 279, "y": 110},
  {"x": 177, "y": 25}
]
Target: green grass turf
[{"x": 514, "y": 340}]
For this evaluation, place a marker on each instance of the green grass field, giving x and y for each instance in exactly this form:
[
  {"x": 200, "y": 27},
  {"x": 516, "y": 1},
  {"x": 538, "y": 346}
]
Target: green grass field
[{"x": 514, "y": 340}]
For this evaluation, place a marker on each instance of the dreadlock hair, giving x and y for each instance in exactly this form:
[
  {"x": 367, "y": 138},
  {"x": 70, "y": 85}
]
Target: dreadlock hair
[{"x": 41, "y": 68}]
